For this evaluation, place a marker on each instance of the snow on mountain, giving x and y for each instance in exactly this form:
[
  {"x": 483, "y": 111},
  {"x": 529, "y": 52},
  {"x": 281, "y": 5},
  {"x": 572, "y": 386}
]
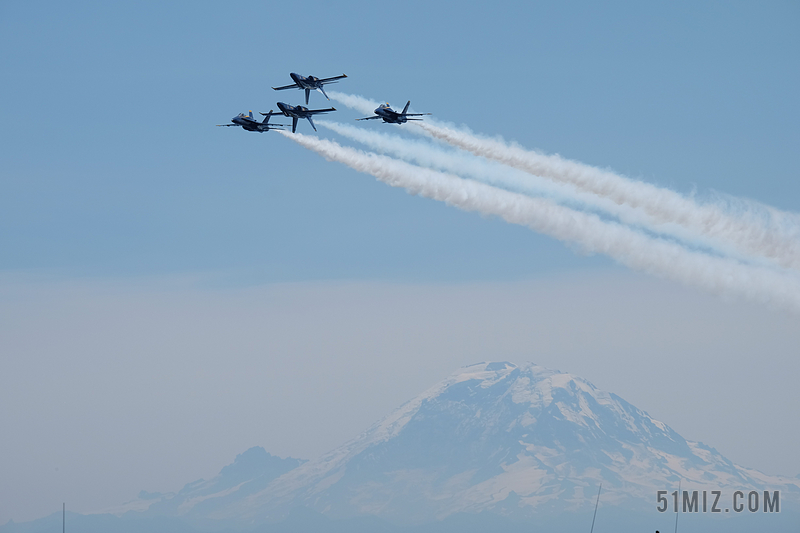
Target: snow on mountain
[{"x": 515, "y": 441}]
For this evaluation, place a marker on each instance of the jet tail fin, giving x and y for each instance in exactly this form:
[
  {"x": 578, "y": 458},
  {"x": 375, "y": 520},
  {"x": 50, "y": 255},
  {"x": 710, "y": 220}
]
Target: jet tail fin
[
  {"x": 267, "y": 116},
  {"x": 308, "y": 91},
  {"x": 311, "y": 122},
  {"x": 251, "y": 113},
  {"x": 322, "y": 90},
  {"x": 294, "y": 124},
  {"x": 406, "y": 107}
]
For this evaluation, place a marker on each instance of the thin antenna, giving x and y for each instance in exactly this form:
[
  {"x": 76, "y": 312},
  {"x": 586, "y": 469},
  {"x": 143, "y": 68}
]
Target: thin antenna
[
  {"x": 595, "y": 507},
  {"x": 678, "y": 510},
  {"x": 64, "y": 517}
]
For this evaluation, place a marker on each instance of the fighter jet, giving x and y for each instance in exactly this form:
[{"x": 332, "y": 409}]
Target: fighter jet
[
  {"x": 310, "y": 83},
  {"x": 391, "y": 116},
  {"x": 301, "y": 112},
  {"x": 251, "y": 124}
]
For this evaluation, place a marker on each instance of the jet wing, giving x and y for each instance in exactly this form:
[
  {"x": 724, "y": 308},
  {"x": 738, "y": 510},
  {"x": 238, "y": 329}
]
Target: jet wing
[
  {"x": 317, "y": 111},
  {"x": 332, "y": 80},
  {"x": 368, "y": 118},
  {"x": 292, "y": 86},
  {"x": 415, "y": 114},
  {"x": 227, "y": 124}
]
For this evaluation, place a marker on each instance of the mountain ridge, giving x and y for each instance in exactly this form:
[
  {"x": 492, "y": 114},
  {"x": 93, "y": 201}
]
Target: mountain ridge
[
  {"x": 525, "y": 443},
  {"x": 512, "y": 440}
]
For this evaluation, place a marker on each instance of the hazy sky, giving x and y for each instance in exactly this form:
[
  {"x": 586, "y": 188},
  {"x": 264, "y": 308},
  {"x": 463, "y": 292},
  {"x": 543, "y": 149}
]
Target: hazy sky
[{"x": 172, "y": 293}]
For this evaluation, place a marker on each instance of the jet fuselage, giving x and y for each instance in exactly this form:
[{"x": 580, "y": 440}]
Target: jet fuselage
[
  {"x": 310, "y": 83},
  {"x": 299, "y": 111},
  {"x": 249, "y": 124},
  {"x": 296, "y": 111},
  {"x": 306, "y": 82},
  {"x": 390, "y": 115}
]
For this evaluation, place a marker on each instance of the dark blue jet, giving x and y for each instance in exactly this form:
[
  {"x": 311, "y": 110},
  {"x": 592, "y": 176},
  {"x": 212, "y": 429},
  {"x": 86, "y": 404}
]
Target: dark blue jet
[
  {"x": 391, "y": 116},
  {"x": 310, "y": 83},
  {"x": 298, "y": 111},
  {"x": 251, "y": 124}
]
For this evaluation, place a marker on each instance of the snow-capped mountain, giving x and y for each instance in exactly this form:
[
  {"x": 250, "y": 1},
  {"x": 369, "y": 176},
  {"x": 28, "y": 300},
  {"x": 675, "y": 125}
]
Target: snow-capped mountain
[{"x": 514, "y": 441}]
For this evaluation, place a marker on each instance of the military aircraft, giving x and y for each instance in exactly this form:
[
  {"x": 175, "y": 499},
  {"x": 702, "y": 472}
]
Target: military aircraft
[
  {"x": 298, "y": 111},
  {"x": 310, "y": 83},
  {"x": 251, "y": 124},
  {"x": 391, "y": 116}
]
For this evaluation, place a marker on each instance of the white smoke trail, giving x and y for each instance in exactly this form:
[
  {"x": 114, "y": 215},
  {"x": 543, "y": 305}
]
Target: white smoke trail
[
  {"x": 359, "y": 103},
  {"x": 462, "y": 163},
  {"x": 493, "y": 173},
  {"x": 625, "y": 245},
  {"x": 466, "y": 165},
  {"x": 770, "y": 233},
  {"x": 755, "y": 230}
]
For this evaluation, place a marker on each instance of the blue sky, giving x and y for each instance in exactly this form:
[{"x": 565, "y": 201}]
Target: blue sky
[
  {"x": 112, "y": 166},
  {"x": 115, "y": 182}
]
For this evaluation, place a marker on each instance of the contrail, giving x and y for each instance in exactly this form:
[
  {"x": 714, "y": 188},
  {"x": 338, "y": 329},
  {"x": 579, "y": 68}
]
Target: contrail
[
  {"x": 765, "y": 235},
  {"x": 756, "y": 230},
  {"x": 359, "y": 103},
  {"x": 468, "y": 165},
  {"x": 627, "y": 246},
  {"x": 463, "y": 164}
]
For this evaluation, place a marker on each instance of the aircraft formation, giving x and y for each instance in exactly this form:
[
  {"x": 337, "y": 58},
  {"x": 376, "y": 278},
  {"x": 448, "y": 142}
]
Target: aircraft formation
[{"x": 296, "y": 112}]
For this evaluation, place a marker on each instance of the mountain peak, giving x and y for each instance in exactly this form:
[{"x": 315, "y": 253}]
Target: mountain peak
[
  {"x": 513, "y": 440},
  {"x": 492, "y": 431}
]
